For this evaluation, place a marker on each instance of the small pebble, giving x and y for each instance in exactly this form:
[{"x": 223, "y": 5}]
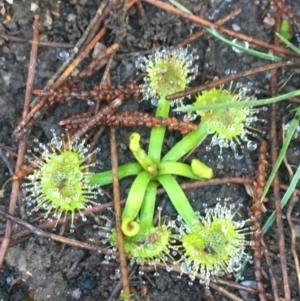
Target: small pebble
[
  {"x": 20, "y": 58},
  {"x": 123, "y": 146},
  {"x": 220, "y": 165},
  {"x": 269, "y": 21},
  {"x": 245, "y": 295},
  {"x": 10, "y": 279},
  {"x": 236, "y": 27},
  {"x": 76, "y": 293},
  {"x": 71, "y": 17},
  {"x": 5, "y": 49},
  {"x": 86, "y": 282},
  {"x": 297, "y": 230},
  {"x": 99, "y": 47},
  {"x": 6, "y": 76},
  {"x": 33, "y": 7},
  {"x": 48, "y": 19}
]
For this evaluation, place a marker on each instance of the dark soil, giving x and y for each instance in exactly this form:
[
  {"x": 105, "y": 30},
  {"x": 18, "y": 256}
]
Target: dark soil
[{"x": 41, "y": 269}]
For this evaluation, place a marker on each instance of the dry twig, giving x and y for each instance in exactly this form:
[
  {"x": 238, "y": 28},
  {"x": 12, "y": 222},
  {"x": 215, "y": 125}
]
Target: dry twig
[
  {"x": 230, "y": 78},
  {"x": 256, "y": 211},
  {"x": 117, "y": 207},
  {"x": 47, "y": 235},
  {"x": 22, "y": 142}
]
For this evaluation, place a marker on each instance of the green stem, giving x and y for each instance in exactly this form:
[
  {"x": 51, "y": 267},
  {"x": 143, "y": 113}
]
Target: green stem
[
  {"x": 104, "y": 178},
  {"x": 186, "y": 144},
  {"x": 148, "y": 206},
  {"x": 157, "y": 134},
  {"x": 180, "y": 169},
  {"x": 134, "y": 202},
  {"x": 178, "y": 199}
]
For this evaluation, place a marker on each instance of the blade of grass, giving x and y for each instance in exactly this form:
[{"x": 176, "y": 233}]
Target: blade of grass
[
  {"x": 253, "y": 52},
  {"x": 180, "y": 6},
  {"x": 243, "y": 104},
  {"x": 290, "y": 133},
  {"x": 284, "y": 200},
  {"x": 288, "y": 43}
]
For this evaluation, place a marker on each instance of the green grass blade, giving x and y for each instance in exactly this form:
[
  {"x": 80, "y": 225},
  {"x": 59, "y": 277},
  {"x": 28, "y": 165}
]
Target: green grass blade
[
  {"x": 284, "y": 200},
  {"x": 180, "y": 6},
  {"x": 243, "y": 104},
  {"x": 253, "y": 52},
  {"x": 288, "y": 43},
  {"x": 289, "y": 135}
]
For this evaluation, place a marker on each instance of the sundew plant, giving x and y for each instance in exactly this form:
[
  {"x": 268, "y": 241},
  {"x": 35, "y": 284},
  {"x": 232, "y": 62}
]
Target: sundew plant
[
  {"x": 196, "y": 242},
  {"x": 228, "y": 126},
  {"x": 166, "y": 72},
  {"x": 60, "y": 182},
  {"x": 214, "y": 244}
]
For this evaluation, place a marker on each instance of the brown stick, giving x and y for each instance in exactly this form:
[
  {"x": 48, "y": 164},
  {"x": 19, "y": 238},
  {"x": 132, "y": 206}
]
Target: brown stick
[
  {"x": 22, "y": 142},
  {"x": 97, "y": 93},
  {"x": 271, "y": 273},
  {"x": 117, "y": 102},
  {"x": 141, "y": 10},
  {"x": 212, "y": 182},
  {"x": 80, "y": 57},
  {"x": 117, "y": 207},
  {"x": 53, "y": 223},
  {"x": 131, "y": 119},
  {"x": 102, "y": 12},
  {"x": 230, "y": 78},
  {"x": 34, "y": 113},
  {"x": 13, "y": 39},
  {"x": 256, "y": 210},
  {"x": 88, "y": 71},
  {"x": 58, "y": 238}
]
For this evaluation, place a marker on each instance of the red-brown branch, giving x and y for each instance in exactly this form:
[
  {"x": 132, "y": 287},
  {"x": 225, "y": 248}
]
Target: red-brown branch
[
  {"x": 256, "y": 211},
  {"x": 22, "y": 142}
]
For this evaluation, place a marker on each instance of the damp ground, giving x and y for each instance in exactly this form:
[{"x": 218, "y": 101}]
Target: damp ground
[{"x": 40, "y": 269}]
